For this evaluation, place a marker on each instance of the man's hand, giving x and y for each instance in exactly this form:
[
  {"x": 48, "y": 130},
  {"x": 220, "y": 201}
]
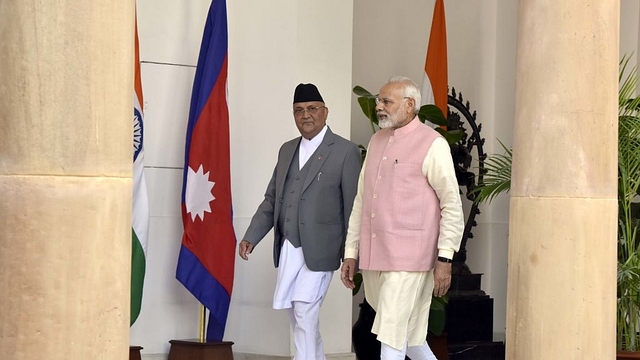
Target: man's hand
[
  {"x": 347, "y": 272},
  {"x": 245, "y": 249},
  {"x": 441, "y": 278}
]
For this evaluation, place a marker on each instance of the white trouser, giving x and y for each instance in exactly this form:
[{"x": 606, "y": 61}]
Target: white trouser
[
  {"x": 305, "y": 324},
  {"x": 422, "y": 352},
  {"x": 301, "y": 292}
]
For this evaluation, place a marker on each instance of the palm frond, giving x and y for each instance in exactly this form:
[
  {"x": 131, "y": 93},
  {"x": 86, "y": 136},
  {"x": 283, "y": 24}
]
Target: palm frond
[
  {"x": 628, "y": 335},
  {"x": 496, "y": 178}
]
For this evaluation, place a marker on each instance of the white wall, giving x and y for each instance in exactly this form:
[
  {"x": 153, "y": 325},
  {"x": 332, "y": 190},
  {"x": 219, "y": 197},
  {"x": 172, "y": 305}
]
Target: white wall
[
  {"x": 629, "y": 28},
  {"x": 273, "y": 46}
]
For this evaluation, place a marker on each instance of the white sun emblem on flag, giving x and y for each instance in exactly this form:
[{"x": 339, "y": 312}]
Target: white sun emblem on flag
[{"x": 198, "y": 193}]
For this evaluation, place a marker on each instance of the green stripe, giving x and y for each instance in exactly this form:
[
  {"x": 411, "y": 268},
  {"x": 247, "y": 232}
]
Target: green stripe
[{"x": 138, "y": 262}]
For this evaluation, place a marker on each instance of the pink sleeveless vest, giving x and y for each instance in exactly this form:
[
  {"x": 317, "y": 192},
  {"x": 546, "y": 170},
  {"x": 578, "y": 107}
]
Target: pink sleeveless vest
[{"x": 400, "y": 212}]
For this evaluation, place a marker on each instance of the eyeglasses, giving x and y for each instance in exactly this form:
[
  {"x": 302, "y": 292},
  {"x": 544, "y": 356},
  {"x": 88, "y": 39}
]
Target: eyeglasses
[
  {"x": 311, "y": 110},
  {"x": 386, "y": 102}
]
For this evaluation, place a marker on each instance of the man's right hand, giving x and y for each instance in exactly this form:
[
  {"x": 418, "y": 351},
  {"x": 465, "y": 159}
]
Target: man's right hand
[
  {"x": 245, "y": 249},
  {"x": 347, "y": 272}
]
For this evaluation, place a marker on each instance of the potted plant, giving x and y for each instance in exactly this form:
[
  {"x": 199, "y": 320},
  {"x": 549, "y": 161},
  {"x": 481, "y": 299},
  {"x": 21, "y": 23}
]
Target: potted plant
[{"x": 628, "y": 285}]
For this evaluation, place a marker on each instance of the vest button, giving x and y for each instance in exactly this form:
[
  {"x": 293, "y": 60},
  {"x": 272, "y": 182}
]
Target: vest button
[
  {"x": 375, "y": 196},
  {"x": 384, "y": 158},
  {"x": 372, "y": 215},
  {"x": 379, "y": 177},
  {"x": 373, "y": 236}
]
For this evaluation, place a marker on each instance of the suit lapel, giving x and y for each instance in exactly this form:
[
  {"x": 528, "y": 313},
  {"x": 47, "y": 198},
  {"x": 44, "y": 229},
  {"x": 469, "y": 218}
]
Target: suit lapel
[
  {"x": 284, "y": 164},
  {"x": 318, "y": 158}
]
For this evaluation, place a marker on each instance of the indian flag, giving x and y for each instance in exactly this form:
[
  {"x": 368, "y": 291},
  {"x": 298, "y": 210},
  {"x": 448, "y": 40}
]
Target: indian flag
[
  {"x": 140, "y": 215},
  {"x": 435, "y": 82}
]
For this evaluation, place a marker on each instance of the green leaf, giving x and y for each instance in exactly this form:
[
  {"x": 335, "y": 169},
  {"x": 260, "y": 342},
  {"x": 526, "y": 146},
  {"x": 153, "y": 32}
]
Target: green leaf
[
  {"x": 433, "y": 114},
  {"x": 368, "y": 106},
  {"x": 360, "y": 91},
  {"x": 437, "y": 314},
  {"x": 357, "y": 279},
  {"x": 367, "y": 103},
  {"x": 628, "y": 282},
  {"x": 452, "y": 136},
  {"x": 497, "y": 176}
]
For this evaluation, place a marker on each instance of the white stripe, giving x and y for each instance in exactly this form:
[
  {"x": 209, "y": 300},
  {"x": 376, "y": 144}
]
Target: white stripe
[
  {"x": 427, "y": 91},
  {"x": 427, "y": 96},
  {"x": 140, "y": 214}
]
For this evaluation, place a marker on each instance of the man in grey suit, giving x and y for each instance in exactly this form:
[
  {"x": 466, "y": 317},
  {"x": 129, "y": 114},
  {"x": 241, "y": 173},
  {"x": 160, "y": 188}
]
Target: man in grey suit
[{"x": 307, "y": 203}]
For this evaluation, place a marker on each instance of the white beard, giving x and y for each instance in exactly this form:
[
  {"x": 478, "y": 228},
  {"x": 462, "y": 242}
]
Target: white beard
[
  {"x": 391, "y": 121},
  {"x": 386, "y": 123}
]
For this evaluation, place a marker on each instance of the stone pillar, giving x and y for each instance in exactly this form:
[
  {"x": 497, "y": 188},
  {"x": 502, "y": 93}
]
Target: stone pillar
[
  {"x": 65, "y": 178},
  {"x": 562, "y": 249}
]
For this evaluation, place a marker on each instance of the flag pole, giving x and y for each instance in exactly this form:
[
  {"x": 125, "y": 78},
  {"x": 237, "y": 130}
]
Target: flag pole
[{"x": 202, "y": 320}]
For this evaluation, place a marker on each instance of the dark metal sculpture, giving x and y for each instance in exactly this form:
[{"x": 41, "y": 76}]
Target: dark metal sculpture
[{"x": 463, "y": 153}]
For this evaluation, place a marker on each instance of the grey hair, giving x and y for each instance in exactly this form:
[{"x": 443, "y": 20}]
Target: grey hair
[{"x": 411, "y": 90}]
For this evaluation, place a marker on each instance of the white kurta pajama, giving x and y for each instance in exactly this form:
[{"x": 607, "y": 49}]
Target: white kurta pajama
[
  {"x": 299, "y": 290},
  {"x": 307, "y": 204},
  {"x": 296, "y": 282},
  {"x": 402, "y": 298}
]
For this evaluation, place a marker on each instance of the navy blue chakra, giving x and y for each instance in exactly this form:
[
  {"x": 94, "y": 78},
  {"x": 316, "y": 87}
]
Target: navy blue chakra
[{"x": 137, "y": 133}]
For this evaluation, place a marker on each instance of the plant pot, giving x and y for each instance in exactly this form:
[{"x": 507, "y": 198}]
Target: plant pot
[
  {"x": 627, "y": 355},
  {"x": 439, "y": 345}
]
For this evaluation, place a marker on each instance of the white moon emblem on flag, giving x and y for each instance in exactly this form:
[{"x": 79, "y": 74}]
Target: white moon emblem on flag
[{"x": 198, "y": 194}]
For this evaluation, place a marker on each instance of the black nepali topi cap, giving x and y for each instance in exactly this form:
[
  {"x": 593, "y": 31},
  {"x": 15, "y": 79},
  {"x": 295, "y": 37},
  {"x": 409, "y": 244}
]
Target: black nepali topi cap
[{"x": 305, "y": 93}]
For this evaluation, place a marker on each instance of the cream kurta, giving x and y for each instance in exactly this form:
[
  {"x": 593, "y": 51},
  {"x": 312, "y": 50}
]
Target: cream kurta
[{"x": 401, "y": 300}]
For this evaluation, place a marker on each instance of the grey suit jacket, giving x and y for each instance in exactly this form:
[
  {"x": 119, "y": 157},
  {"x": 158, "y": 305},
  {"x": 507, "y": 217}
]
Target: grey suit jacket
[{"x": 325, "y": 202}]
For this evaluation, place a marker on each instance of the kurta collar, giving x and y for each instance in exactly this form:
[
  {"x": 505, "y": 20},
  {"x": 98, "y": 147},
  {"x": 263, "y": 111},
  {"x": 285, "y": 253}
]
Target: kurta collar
[
  {"x": 407, "y": 128},
  {"x": 316, "y": 140}
]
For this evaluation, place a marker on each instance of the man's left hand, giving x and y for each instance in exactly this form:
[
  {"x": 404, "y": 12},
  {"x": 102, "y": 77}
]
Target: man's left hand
[{"x": 441, "y": 278}]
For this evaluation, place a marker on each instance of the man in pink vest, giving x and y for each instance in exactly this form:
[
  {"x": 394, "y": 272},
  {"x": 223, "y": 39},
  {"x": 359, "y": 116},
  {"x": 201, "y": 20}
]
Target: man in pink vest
[{"x": 406, "y": 223}]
